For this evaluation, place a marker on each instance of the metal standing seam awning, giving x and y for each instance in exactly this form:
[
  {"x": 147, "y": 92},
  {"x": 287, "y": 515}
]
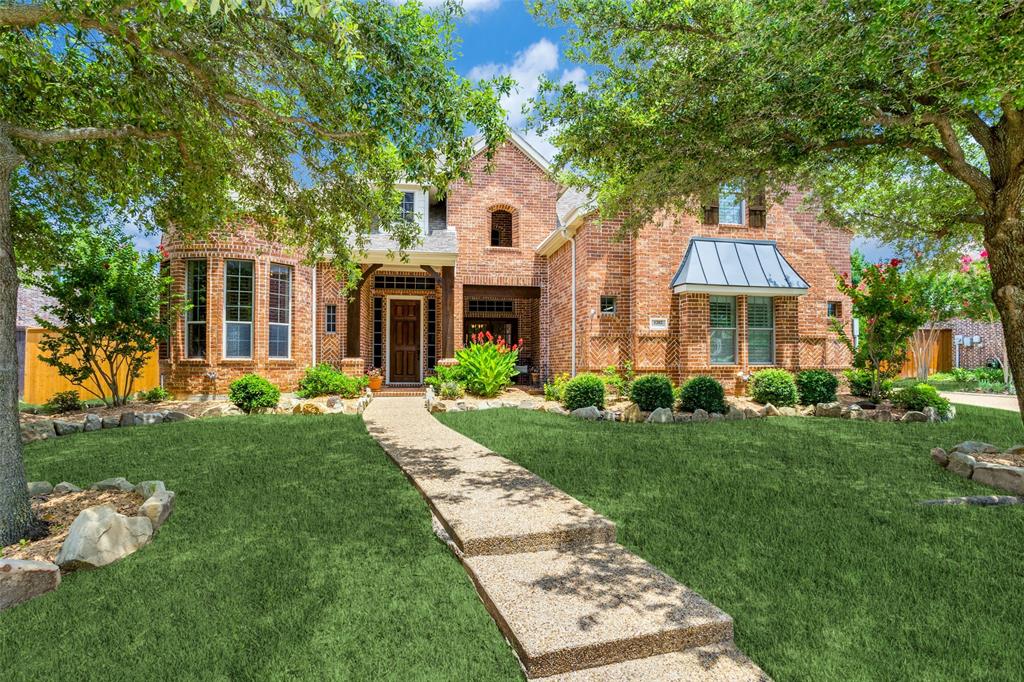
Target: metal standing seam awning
[{"x": 737, "y": 267}]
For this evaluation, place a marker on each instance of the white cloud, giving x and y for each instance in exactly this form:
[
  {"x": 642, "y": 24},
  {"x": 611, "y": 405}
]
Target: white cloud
[{"x": 470, "y": 7}]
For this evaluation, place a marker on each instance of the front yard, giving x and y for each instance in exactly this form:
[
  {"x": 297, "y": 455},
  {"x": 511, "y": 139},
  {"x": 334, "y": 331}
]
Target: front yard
[
  {"x": 296, "y": 549},
  {"x": 807, "y": 531}
]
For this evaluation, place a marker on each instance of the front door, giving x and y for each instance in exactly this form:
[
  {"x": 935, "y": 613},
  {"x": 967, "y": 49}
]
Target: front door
[{"x": 404, "y": 341}]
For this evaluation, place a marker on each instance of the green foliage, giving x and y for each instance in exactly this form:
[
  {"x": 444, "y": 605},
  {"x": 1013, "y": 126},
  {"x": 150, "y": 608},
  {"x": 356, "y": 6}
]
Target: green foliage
[
  {"x": 652, "y": 391},
  {"x": 775, "y": 386},
  {"x": 157, "y": 394},
  {"x": 702, "y": 392},
  {"x": 64, "y": 401},
  {"x": 554, "y": 389},
  {"x": 860, "y": 382},
  {"x": 253, "y": 392},
  {"x": 815, "y": 386},
  {"x": 446, "y": 375},
  {"x": 451, "y": 390},
  {"x": 989, "y": 374},
  {"x": 28, "y": 408},
  {"x": 959, "y": 374},
  {"x": 619, "y": 382},
  {"x": 325, "y": 379},
  {"x": 919, "y": 397},
  {"x": 583, "y": 390},
  {"x": 488, "y": 365}
]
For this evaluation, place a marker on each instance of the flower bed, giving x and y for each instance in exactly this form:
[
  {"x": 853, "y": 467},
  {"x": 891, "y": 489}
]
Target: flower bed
[{"x": 986, "y": 464}]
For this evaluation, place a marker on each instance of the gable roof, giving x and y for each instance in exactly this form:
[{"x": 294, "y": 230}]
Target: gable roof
[
  {"x": 30, "y": 306},
  {"x": 479, "y": 143},
  {"x": 737, "y": 266}
]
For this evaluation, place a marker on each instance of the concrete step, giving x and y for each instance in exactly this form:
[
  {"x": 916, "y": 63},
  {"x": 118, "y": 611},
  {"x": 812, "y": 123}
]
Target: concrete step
[
  {"x": 712, "y": 663},
  {"x": 568, "y": 610}
]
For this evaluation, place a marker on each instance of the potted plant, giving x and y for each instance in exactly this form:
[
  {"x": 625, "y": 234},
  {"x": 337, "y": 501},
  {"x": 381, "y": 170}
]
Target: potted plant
[{"x": 375, "y": 378}]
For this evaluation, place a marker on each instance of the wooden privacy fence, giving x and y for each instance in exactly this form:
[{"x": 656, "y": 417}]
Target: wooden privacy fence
[
  {"x": 941, "y": 359},
  {"x": 41, "y": 381}
]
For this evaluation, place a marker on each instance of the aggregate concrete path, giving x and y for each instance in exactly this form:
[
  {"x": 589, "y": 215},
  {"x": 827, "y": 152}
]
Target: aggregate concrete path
[
  {"x": 570, "y": 601},
  {"x": 993, "y": 400}
]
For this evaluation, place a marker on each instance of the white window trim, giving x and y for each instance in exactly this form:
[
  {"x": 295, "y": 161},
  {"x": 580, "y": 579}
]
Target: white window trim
[
  {"x": 735, "y": 335},
  {"x": 743, "y": 209},
  {"x": 288, "y": 324},
  {"x": 386, "y": 350},
  {"x": 190, "y": 323},
  {"x": 771, "y": 363},
  {"x": 226, "y": 322},
  {"x": 421, "y": 198}
]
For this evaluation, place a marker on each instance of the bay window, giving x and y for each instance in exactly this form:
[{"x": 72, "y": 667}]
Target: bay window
[
  {"x": 280, "y": 290},
  {"x": 723, "y": 330},
  {"x": 195, "y": 318},
  {"x": 760, "y": 330},
  {"x": 238, "y": 281}
]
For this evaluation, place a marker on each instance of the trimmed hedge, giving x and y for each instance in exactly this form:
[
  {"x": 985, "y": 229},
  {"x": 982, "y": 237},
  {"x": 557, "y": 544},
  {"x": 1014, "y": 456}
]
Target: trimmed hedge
[
  {"x": 816, "y": 386},
  {"x": 652, "y": 391},
  {"x": 775, "y": 386},
  {"x": 252, "y": 392},
  {"x": 583, "y": 390},
  {"x": 702, "y": 392}
]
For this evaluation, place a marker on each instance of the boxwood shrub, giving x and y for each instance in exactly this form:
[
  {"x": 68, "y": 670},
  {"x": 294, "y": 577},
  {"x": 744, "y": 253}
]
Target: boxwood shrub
[
  {"x": 775, "y": 386},
  {"x": 583, "y": 390},
  {"x": 325, "y": 379},
  {"x": 919, "y": 397},
  {"x": 816, "y": 386},
  {"x": 652, "y": 391},
  {"x": 702, "y": 392},
  {"x": 253, "y": 392}
]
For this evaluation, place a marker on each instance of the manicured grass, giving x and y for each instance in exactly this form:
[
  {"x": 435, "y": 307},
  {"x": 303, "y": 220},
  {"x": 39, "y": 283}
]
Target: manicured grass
[
  {"x": 296, "y": 550},
  {"x": 807, "y": 531}
]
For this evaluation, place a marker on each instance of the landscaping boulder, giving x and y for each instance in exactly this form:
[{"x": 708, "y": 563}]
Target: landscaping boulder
[
  {"x": 882, "y": 414},
  {"x": 111, "y": 422},
  {"x": 128, "y": 419},
  {"x": 554, "y": 409},
  {"x": 148, "y": 488},
  {"x": 828, "y": 410},
  {"x": 808, "y": 410},
  {"x": 436, "y": 406},
  {"x": 100, "y": 536},
  {"x": 119, "y": 483},
  {"x": 221, "y": 411},
  {"x": 36, "y": 488},
  {"x": 22, "y": 579},
  {"x": 661, "y": 415},
  {"x": 93, "y": 422},
  {"x": 700, "y": 415},
  {"x": 682, "y": 417},
  {"x": 63, "y": 488},
  {"x": 632, "y": 413},
  {"x": 1016, "y": 450},
  {"x": 914, "y": 416},
  {"x": 735, "y": 413},
  {"x": 307, "y": 408},
  {"x": 174, "y": 416},
  {"x": 782, "y": 411},
  {"x": 150, "y": 418},
  {"x": 753, "y": 412},
  {"x": 961, "y": 464},
  {"x": 975, "y": 447},
  {"x": 528, "y": 405},
  {"x": 37, "y": 430},
  {"x": 949, "y": 414},
  {"x": 65, "y": 428},
  {"x": 1006, "y": 478},
  {"x": 772, "y": 411},
  {"x": 940, "y": 457},
  {"x": 931, "y": 413},
  {"x": 158, "y": 507},
  {"x": 590, "y": 413},
  {"x": 716, "y": 416},
  {"x": 287, "y": 404}
]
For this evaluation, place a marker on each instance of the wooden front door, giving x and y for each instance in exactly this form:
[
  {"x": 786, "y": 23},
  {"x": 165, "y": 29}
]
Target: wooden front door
[{"x": 404, "y": 341}]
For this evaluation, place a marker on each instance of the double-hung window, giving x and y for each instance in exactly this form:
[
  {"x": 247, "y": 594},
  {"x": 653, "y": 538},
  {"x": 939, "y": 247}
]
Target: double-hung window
[
  {"x": 195, "y": 318},
  {"x": 760, "y": 330},
  {"x": 730, "y": 206},
  {"x": 238, "y": 281},
  {"x": 409, "y": 206},
  {"x": 279, "y": 345},
  {"x": 723, "y": 330}
]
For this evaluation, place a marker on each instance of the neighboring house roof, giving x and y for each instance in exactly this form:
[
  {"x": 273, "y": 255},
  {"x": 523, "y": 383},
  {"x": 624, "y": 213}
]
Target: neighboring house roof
[
  {"x": 30, "y": 306},
  {"x": 737, "y": 266}
]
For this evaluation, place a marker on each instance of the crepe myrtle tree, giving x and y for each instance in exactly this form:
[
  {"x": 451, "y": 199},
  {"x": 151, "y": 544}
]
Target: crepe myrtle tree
[
  {"x": 938, "y": 292},
  {"x": 914, "y": 107},
  {"x": 298, "y": 115}
]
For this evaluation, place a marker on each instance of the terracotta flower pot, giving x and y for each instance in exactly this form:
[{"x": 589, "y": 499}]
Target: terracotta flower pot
[{"x": 376, "y": 383}]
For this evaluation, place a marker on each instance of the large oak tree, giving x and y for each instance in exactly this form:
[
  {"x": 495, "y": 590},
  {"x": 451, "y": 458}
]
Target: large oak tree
[
  {"x": 919, "y": 100},
  {"x": 299, "y": 114}
]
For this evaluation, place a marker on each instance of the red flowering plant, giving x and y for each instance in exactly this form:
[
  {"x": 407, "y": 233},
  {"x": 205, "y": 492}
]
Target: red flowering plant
[
  {"x": 488, "y": 364},
  {"x": 885, "y": 302}
]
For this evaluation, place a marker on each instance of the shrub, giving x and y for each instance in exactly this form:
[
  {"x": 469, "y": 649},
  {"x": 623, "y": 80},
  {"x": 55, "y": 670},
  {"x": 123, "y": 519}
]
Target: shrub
[
  {"x": 64, "y": 401},
  {"x": 583, "y": 390},
  {"x": 446, "y": 374},
  {"x": 553, "y": 390},
  {"x": 253, "y": 392},
  {"x": 993, "y": 375},
  {"x": 325, "y": 379},
  {"x": 652, "y": 391},
  {"x": 703, "y": 393},
  {"x": 619, "y": 382},
  {"x": 775, "y": 386},
  {"x": 815, "y": 386},
  {"x": 965, "y": 376},
  {"x": 859, "y": 381},
  {"x": 157, "y": 394},
  {"x": 451, "y": 390},
  {"x": 919, "y": 397},
  {"x": 489, "y": 364}
]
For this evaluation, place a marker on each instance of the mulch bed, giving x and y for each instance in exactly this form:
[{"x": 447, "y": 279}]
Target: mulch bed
[{"x": 56, "y": 513}]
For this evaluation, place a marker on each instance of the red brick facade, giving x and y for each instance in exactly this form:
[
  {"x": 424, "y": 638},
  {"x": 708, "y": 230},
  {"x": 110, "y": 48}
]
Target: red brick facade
[{"x": 534, "y": 289}]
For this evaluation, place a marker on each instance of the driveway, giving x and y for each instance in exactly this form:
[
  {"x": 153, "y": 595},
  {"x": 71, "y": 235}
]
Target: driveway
[{"x": 993, "y": 400}]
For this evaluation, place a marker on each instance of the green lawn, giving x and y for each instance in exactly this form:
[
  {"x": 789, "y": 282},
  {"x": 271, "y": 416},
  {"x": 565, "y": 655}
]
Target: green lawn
[
  {"x": 808, "y": 532},
  {"x": 296, "y": 550}
]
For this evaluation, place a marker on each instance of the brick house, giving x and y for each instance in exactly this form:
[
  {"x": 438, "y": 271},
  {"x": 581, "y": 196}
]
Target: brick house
[{"x": 512, "y": 253}]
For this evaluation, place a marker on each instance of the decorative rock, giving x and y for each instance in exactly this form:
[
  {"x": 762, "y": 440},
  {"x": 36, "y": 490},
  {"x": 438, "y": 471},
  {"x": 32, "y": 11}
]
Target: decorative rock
[
  {"x": 158, "y": 507},
  {"x": 287, "y": 404},
  {"x": 557, "y": 409},
  {"x": 1016, "y": 450},
  {"x": 734, "y": 413},
  {"x": 111, "y": 422},
  {"x": 883, "y": 415},
  {"x": 37, "y": 488},
  {"x": 92, "y": 422},
  {"x": 150, "y": 418},
  {"x": 949, "y": 414},
  {"x": 149, "y": 488},
  {"x": 590, "y": 413},
  {"x": 716, "y": 416},
  {"x": 978, "y": 500},
  {"x": 772, "y": 411},
  {"x": 961, "y": 464},
  {"x": 176, "y": 416},
  {"x": 700, "y": 415},
  {"x": 783, "y": 411},
  {"x": 119, "y": 483},
  {"x": 931, "y": 413},
  {"x": 100, "y": 536},
  {"x": 809, "y": 410},
  {"x": 307, "y": 408},
  {"x": 527, "y": 405},
  {"x": 661, "y": 415},
  {"x": 437, "y": 406},
  {"x": 682, "y": 417},
  {"x": 21, "y": 580},
  {"x": 914, "y": 416},
  {"x": 828, "y": 410},
  {"x": 753, "y": 412},
  {"x": 632, "y": 413},
  {"x": 37, "y": 430},
  {"x": 63, "y": 488},
  {"x": 940, "y": 457},
  {"x": 64, "y": 428},
  {"x": 612, "y": 415},
  {"x": 974, "y": 447},
  {"x": 1006, "y": 478},
  {"x": 128, "y": 419}
]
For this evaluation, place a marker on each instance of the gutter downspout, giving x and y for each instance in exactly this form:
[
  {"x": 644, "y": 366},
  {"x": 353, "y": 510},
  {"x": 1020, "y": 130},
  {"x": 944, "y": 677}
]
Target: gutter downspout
[
  {"x": 572, "y": 352},
  {"x": 313, "y": 325}
]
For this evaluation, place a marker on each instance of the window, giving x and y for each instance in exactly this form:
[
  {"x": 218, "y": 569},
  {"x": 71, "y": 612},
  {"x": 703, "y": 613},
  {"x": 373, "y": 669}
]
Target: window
[
  {"x": 835, "y": 309},
  {"x": 378, "y": 331},
  {"x": 723, "y": 330},
  {"x": 730, "y": 206},
  {"x": 607, "y": 305},
  {"x": 431, "y": 332},
  {"x": 409, "y": 206},
  {"x": 501, "y": 228},
  {"x": 760, "y": 330},
  {"x": 404, "y": 282},
  {"x": 164, "y": 345},
  {"x": 331, "y": 319},
  {"x": 195, "y": 318},
  {"x": 279, "y": 345},
  {"x": 489, "y": 306},
  {"x": 238, "y": 309}
]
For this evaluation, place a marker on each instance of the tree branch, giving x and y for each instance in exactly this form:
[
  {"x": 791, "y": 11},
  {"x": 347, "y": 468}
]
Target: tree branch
[
  {"x": 86, "y": 133},
  {"x": 32, "y": 15}
]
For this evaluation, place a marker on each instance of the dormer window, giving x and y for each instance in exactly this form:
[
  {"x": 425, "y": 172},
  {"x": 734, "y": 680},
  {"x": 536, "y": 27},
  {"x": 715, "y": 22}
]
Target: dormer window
[
  {"x": 409, "y": 206},
  {"x": 501, "y": 228}
]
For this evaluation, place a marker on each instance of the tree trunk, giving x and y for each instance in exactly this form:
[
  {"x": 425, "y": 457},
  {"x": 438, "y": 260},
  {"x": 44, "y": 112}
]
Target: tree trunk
[
  {"x": 1005, "y": 243},
  {"x": 15, "y": 508}
]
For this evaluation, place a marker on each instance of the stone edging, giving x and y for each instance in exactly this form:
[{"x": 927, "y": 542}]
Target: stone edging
[{"x": 962, "y": 460}]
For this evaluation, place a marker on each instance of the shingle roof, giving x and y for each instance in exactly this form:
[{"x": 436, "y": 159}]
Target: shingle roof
[
  {"x": 744, "y": 265},
  {"x": 30, "y": 306},
  {"x": 441, "y": 241}
]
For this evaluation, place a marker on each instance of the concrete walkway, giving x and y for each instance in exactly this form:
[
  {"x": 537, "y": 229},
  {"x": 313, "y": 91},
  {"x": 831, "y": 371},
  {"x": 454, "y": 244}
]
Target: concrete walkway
[
  {"x": 993, "y": 400},
  {"x": 572, "y": 603}
]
